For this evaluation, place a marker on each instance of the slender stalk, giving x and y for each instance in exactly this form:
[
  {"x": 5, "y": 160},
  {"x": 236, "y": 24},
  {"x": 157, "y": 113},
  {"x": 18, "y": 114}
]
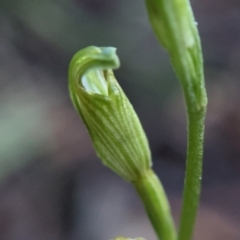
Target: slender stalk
[
  {"x": 174, "y": 25},
  {"x": 156, "y": 204},
  {"x": 193, "y": 175}
]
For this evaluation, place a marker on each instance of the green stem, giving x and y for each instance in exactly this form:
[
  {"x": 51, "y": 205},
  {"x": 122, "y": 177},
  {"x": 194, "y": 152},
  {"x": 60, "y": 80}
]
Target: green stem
[
  {"x": 193, "y": 175},
  {"x": 174, "y": 25},
  {"x": 156, "y": 204}
]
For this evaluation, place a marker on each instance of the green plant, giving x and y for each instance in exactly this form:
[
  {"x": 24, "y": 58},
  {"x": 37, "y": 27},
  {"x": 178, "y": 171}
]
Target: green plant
[
  {"x": 114, "y": 127},
  {"x": 174, "y": 25},
  {"x": 115, "y": 130}
]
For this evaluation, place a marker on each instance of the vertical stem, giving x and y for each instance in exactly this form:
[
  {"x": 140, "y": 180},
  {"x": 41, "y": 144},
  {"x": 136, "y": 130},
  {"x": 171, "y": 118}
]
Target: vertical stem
[
  {"x": 174, "y": 25},
  {"x": 193, "y": 175},
  {"x": 156, "y": 204}
]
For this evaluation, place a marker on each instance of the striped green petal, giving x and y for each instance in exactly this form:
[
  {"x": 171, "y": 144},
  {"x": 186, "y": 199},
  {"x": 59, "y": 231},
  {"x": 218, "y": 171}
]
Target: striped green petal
[{"x": 112, "y": 123}]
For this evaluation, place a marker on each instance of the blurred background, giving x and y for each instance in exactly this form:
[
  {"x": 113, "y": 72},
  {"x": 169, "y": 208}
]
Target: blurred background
[{"x": 52, "y": 186}]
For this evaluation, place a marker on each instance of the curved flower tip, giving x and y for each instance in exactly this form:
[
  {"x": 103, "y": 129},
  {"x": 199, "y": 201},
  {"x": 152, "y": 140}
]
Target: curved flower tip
[{"x": 112, "y": 123}]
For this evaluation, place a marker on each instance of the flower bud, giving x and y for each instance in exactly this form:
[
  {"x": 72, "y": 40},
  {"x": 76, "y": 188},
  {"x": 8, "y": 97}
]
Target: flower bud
[
  {"x": 115, "y": 130},
  {"x": 175, "y": 28},
  {"x": 173, "y": 23}
]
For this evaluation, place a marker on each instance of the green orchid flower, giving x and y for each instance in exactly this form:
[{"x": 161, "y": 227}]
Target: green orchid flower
[{"x": 115, "y": 130}]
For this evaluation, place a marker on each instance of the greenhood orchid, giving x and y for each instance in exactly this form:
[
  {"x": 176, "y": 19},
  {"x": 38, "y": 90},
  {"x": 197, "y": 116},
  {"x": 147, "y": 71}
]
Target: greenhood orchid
[{"x": 112, "y": 123}]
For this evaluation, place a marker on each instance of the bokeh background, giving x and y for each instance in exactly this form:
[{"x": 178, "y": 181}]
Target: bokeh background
[{"x": 52, "y": 186}]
